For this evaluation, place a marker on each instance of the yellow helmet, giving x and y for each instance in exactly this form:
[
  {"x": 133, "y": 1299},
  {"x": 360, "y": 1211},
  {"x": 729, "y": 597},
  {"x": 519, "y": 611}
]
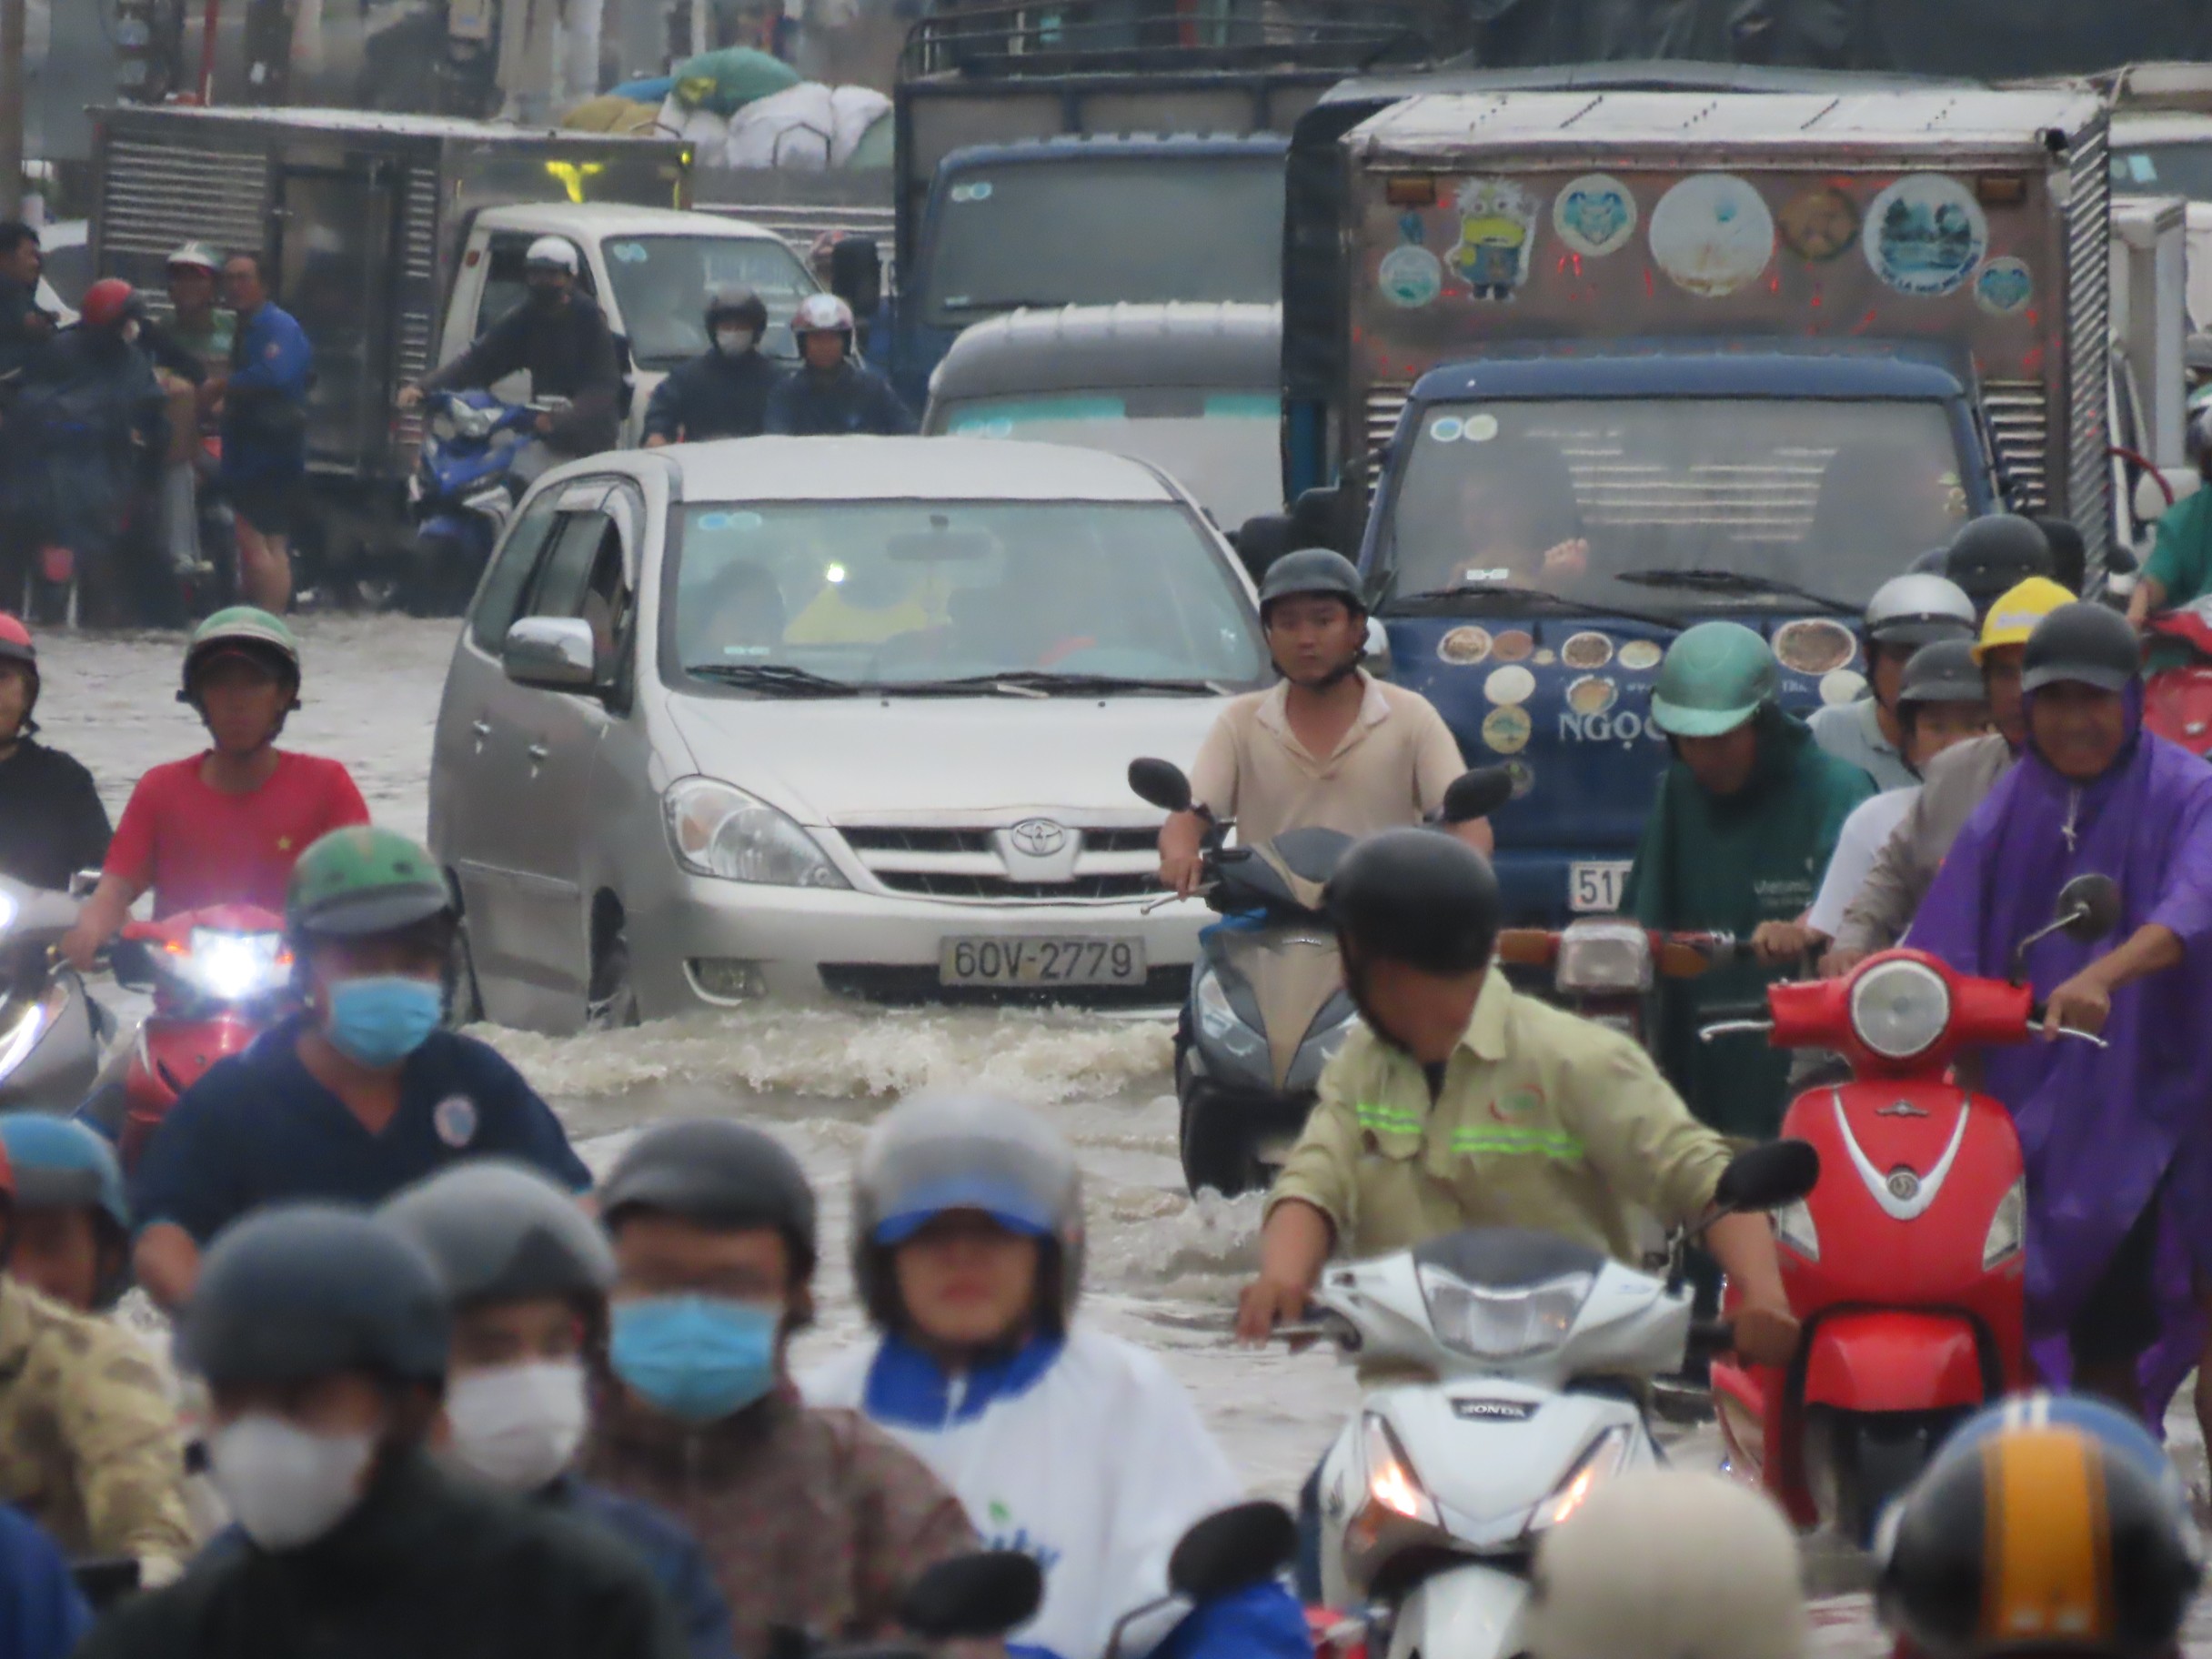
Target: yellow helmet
[{"x": 2017, "y": 610}]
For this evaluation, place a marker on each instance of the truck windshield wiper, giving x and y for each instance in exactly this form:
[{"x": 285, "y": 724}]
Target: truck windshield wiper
[
  {"x": 1441, "y": 597},
  {"x": 1045, "y": 682},
  {"x": 777, "y": 678},
  {"x": 1734, "y": 583}
]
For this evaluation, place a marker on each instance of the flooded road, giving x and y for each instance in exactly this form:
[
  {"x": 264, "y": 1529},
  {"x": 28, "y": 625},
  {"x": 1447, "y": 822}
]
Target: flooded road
[{"x": 1164, "y": 1267}]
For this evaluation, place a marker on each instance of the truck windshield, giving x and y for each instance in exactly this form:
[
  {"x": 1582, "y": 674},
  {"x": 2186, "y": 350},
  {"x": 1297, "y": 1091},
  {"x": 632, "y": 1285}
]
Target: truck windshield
[
  {"x": 1222, "y": 446},
  {"x": 2165, "y": 169},
  {"x": 1090, "y": 231},
  {"x": 661, "y": 283},
  {"x": 837, "y": 594},
  {"x": 1571, "y": 496}
]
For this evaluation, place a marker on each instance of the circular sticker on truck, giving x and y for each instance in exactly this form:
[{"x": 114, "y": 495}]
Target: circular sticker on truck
[
  {"x": 2005, "y": 286},
  {"x": 1711, "y": 234},
  {"x": 1410, "y": 277},
  {"x": 1594, "y": 215},
  {"x": 1925, "y": 234}
]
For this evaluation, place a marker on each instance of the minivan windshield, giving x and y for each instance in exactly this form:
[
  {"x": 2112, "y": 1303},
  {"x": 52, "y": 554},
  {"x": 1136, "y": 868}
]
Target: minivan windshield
[
  {"x": 2183, "y": 168},
  {"x": 815, "y": 595},
  {"x": 1573, "y": 497},
  {"x": 1094, "y": 231},
  {"x": 661, "y": 285},
  {"x": 1221, "y": 446}
]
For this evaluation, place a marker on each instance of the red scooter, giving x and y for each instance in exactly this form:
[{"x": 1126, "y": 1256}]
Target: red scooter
[{"x": 2178, "y": 702}]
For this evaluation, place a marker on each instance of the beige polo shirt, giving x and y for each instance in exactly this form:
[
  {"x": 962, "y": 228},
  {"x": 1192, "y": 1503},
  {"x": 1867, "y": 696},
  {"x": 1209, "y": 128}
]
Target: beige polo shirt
[
  {"x": 1391, "y": 767},
  {"x": 1545, "y": 1121}
]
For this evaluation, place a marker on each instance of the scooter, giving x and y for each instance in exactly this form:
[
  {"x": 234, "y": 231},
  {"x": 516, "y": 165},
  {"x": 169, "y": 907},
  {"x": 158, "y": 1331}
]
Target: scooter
[
  {"x": 462, "y": 494},
  {"x": 1603, "y": 967},
  {"x": 1267, "y": 1007},
  {"x": 2177, "y": 701},
  {"x": 1907, "y": 1264},
  {"x": 1527, "y": 1349},
  {"x": 50, "y": 1029}
]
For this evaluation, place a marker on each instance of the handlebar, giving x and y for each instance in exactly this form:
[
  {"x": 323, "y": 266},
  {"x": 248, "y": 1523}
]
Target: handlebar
[{"x": 2035, "y": 1016}]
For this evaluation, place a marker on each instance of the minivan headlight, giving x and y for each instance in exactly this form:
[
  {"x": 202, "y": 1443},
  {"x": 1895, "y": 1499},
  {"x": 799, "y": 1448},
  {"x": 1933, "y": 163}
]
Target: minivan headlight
[{"x": 714, "y": 830}]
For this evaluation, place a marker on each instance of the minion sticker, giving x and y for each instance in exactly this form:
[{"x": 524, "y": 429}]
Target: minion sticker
[{"x": 1497, "y": 233}]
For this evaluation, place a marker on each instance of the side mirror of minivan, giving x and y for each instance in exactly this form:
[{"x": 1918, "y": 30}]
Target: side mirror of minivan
[
  {"x": 551, "y": 654},
  {"x": 855, "y": 275}
]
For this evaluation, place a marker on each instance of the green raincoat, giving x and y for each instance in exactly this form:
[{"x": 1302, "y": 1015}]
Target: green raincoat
[{"x": 1727, "y": 865}]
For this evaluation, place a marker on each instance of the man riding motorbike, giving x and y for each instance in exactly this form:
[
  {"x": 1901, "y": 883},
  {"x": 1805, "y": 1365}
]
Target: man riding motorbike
[
  {"x": 526, "y": 1275},
  {"x": 1746, "y": 819},
  {"x": 323, "y": 1340},
  {"x": 968, "y": 1252},
  {"x": 2114, "y": 1137},
  {"x": 223, "y": 827},
  {"x": 1876, "y": 916},
  {"x": 1992, "y": 555},
  {"x": 813, "y": 1519},
  {"x": 73, "y": 1224},
  {"x": 2178, "y": 572},
  {"x": 52, "y": 821},
  {"x": 356, "y": 1095},
  {"x": 723, "y": 392},
  {"x": 1905, "y": 613},
  {"x": 1328, "y": 745},
  {"x": 831, "y": 393},
  {"x": 561, "y": 338}
]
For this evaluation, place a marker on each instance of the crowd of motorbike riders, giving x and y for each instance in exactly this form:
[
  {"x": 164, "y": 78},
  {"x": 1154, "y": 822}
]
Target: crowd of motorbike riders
[
  {"x": 154, "y": 466},
  {"x": 450, "y": 1392}
]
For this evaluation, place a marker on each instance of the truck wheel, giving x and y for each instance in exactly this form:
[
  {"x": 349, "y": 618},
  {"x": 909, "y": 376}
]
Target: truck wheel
[
  {"x": 1877, "y": 1456},
  {"x": 1217, "y": 1150}
]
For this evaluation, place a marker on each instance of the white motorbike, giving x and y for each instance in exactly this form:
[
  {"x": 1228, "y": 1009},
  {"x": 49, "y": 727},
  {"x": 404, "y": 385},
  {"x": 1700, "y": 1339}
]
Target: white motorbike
[{"x": 1516, "y": 1364}]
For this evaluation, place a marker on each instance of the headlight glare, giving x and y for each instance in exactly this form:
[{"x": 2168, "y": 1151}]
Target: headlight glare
[
  {"x": 236, "y": 967},
  {"x": 1599, "y": 1464},
  {"x": 717, "y": 830},
  {"x": 1604, "y": 956},
  {"x": 1391, "y": 1484},
  {"x": 1900, "y": 1009},
  {"x": 1501, "y": 1324}
]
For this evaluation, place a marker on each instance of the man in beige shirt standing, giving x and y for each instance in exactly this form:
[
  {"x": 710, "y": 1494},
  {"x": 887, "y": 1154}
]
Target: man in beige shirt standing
[{"x": 1327, "y": 747}]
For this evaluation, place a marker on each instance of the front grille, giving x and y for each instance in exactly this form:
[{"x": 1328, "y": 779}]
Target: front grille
[
  {"x": 874, "y": 982},
  {"x": 1121, "y": 840},
  {"x": 982, "y": 865},
  {"x": 932, "y": 884},
  {"x": 917, "y": 841}
]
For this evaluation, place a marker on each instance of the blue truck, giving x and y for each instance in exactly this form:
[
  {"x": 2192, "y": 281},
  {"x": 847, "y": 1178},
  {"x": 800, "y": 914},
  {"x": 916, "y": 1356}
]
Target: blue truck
[{"x": 1607, "y": 363}]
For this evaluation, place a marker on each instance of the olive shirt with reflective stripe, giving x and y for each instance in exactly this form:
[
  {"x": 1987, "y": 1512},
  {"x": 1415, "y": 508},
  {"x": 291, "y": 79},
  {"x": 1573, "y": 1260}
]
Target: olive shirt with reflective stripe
[{"x": 1545, "y": 1120}]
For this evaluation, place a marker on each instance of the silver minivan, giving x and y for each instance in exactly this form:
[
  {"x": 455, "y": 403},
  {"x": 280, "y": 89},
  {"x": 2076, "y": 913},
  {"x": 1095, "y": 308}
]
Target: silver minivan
[{"x": 789, "y": 716}]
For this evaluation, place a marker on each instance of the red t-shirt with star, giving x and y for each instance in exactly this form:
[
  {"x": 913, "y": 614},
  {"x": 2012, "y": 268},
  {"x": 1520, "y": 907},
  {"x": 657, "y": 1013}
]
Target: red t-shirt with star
[{"x": 196, "y": 846}]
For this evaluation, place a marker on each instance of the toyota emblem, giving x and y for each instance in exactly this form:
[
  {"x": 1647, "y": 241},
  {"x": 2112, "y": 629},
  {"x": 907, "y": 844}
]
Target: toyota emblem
[
  {"x": 1903, "y": 1185},
  {"x": 1039, "y": 837}
]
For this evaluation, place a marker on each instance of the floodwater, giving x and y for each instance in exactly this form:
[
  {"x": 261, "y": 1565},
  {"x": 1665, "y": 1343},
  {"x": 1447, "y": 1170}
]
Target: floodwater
[{"x": 1163, "y": 1266}]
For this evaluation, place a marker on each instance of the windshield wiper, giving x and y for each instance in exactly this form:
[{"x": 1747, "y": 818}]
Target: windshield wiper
[
  {"x": 1045, "y": 682},
  {"x": 777, "y": 678},
  {"x": 1735, "y": 583},
  {"x": 963, "y": 307},
  {"x": 1441, "y": 597}
]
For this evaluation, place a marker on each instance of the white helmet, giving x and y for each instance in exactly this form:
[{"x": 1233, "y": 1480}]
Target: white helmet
[
  {"x": 1674, "y": 1562},
  {"x": 1919, "y": 609},
  {"x": 822, "y": 314},
  {"x": 557, "y": 252}
]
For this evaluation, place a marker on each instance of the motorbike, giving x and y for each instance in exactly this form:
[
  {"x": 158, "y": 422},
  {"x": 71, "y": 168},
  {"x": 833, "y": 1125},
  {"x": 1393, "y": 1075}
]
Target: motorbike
[
  {"x": 220, "y": 976},
  {"x": 2177, "y": 701},
  {"x": 51, "y": 1031},
  {"x": 1906, "y": 1263},
  {"x": 1525, "y": 1352},
  {"x": 1267, "y": 1008},
  {"x": 462, "y": 494},
  {"x": 1603, "y": 967}
]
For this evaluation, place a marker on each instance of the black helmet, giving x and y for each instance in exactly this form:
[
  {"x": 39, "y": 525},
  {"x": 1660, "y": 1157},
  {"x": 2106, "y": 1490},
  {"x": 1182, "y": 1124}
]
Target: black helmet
[
  {"x": 1943, "y": 672},
  {"x": 715, "y": 1173},
  {"x": 303, "y": 1291},
  {"x": 501, "y": 1231},
  {"x": 1312, "y": 570},
  {"x": 739, "y": 304},
  {"x": 1417, "y": 896},
  {"x": 1992, "y": 555},
  {"x": 2085, "y": 642}
]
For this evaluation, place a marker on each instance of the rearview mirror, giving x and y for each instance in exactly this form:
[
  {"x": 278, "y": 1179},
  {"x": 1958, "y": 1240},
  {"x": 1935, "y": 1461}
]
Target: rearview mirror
[
  {"x": 973, "y": 1597},
  {"x": 551, "y": 653},
  {"x": 1162, "y": 783},
  {"x": 1231, "y": 1550},
  {"x": 855, "y": 275},
  {"x": 1260, "y": 540},
  {"x": 1316, "y": 516},
  {"x": 2089, "y": 907},
  {"x": 1769, "y": 1176},
  {"x": 1477, "y": 794}
]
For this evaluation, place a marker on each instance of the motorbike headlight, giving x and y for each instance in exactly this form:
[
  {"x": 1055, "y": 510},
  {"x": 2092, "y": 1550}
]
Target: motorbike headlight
[
  {"x": 1216, "y": 1018},
  {"x": 1900, "y": 1009},
  {"x": 2009, "y": 1227},
  {"x": 1391, "y": 1484},
  {"x": 717, "y": 830},
  {"x": 1604, "y": 957},
  {"x": 1501, "y": 1324},
  {"x": 1794, "y": 1226},
  {"x": 1599, "y": 1464},
  {"x": 17, "y": 1042},
  {"x": 236, "y": 967},
  {"x": 9, "y": 911}
]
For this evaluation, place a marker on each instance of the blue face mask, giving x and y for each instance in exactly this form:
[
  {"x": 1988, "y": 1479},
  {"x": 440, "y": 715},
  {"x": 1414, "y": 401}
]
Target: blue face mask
[
  {"x": 381, "y": 1020},
  {"x": 696, "y": 1357}
]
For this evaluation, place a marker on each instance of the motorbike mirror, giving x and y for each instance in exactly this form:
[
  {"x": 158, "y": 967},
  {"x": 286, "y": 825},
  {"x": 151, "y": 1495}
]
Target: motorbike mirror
[
  {"x": 855, "y": 274},
  {"x": 973, "y": 1597},
  {"x": 2089, "y": 908},
  {"x": 1232, "y": 1549},
  {"x": 1160, "y": 782},
  {"x": 1768, "y": 1176},
  {"x": 1477, "y": 794},
  {"x": 83, "y": 882}
]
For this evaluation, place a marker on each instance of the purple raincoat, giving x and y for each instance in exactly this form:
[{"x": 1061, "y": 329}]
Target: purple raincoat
[{"x": 2100, "y": 1128}]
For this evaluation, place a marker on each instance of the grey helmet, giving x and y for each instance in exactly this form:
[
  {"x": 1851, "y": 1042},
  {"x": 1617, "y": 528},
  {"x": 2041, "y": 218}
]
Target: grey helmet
[
  {"x": 499, "y": 1231},
  {"x": 303, "y": 1291},
  {"x": 958, "y": 1151},
  {"x": 1917, "y": 610},
  {"x": 1312, "y": 570},
  {"x": 1942, "y": 672},
  {"x": 715, "y": 1173}
]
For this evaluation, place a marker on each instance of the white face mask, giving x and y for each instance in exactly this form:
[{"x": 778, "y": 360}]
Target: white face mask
[
  {"x": 286, "y": 1486},
  {"x": 734, "y": 340},
  {"x": 518, "y": 1425}
]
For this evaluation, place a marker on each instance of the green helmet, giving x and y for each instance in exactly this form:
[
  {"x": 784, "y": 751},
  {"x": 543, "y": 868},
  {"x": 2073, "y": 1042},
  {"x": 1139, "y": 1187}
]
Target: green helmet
[
  {"x": 362, "y": 880},
  {"x": 1715, "y": 676},
  {"x": 247, "y": 631}
]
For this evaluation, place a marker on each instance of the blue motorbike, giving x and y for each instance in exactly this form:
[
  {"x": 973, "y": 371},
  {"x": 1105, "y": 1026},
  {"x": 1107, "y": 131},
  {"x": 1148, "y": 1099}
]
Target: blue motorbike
[{"x": 463, "y": 491}]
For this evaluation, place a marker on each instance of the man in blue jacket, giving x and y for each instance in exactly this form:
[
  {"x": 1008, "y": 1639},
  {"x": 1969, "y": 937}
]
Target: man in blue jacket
[
  {"x": 832, "y": 394},
  {"x": 264, "y": 430}
]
